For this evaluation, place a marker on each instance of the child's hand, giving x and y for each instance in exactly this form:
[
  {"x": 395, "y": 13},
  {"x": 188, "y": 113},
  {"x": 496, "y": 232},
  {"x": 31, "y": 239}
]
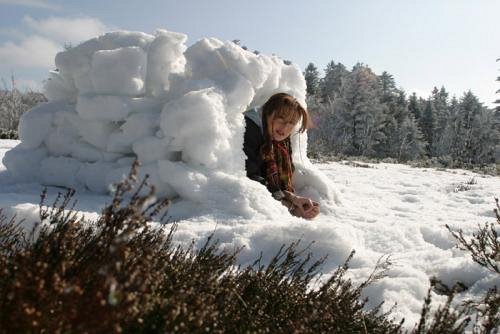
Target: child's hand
[
  {"x": 313, "y": 212},
  {"x": 305, "y": 207}
]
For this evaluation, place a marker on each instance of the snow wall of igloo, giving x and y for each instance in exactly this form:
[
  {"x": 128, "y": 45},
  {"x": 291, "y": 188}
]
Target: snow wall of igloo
[{"x": 179, "y": 110}]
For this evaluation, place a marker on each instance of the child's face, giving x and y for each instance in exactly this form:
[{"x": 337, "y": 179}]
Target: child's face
[{"x": 280, "y": 128}]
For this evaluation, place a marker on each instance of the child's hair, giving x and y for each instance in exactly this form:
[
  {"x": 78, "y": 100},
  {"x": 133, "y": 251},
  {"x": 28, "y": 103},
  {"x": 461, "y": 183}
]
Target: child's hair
[
  {"x": 282, "y": 105},
  {"x": 285, "y": 106}
]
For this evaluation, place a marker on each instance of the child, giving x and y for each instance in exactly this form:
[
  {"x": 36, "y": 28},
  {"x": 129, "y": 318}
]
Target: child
[{"x": 269, "y": 152}]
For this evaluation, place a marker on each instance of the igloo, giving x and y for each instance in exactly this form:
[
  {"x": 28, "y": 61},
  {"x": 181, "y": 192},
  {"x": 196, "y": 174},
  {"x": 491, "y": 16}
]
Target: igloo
[{"x": 178, "y": 110}]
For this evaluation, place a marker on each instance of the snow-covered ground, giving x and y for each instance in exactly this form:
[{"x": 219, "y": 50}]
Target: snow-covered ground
[{"x": 387, "y": 209}]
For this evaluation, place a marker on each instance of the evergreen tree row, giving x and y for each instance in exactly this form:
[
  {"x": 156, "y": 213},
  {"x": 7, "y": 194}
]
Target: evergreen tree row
[{"x": 357, "y": 112}]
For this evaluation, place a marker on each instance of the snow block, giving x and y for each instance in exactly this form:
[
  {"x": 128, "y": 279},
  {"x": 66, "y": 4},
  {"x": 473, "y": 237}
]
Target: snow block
[
  {"x": 36, "y": 124},
  {"x": 24, "y": 164},
  {"x": 60, "y": 171},
  {"x": 119, "y": 72},
  {"x": 165, "y": 56}
]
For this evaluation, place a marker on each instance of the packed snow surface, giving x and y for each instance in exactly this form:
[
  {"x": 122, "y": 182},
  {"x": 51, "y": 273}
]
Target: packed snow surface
[{"x": 387, "y": 209}]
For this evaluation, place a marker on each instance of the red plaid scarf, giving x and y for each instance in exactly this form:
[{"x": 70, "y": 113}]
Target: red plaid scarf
[{"x": 279, "y": 169}]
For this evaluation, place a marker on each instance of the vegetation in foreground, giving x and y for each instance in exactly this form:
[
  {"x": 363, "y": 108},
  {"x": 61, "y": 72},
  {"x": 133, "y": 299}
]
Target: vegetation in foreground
[{"x": 121, "y": 274}]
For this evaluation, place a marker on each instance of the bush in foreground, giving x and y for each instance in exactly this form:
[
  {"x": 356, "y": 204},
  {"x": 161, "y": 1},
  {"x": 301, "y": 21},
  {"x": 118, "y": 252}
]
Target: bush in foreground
[
  {"x": 484, "y": 248},
  {"x": 122, "y": 274}
]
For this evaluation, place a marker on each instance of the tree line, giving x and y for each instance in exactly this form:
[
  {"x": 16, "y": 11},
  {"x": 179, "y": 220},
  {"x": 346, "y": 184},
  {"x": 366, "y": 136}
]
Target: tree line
[{"x": 359, "y": 113}]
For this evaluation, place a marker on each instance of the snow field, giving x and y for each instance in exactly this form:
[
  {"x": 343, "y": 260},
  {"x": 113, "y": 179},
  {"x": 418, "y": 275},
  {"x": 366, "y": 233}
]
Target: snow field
[{"x": 387, "y": 210}]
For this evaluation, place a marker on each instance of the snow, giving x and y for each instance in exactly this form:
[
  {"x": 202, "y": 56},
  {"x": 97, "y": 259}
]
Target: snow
[
  {"x": 388, "y": 209},
  {"x": 121, "y": 71},
  {"x": 179, "y": 110}
]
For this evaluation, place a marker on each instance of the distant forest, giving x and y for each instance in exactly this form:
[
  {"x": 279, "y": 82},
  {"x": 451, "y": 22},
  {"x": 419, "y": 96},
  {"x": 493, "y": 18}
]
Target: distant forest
[{"x": 359, "y": 113}]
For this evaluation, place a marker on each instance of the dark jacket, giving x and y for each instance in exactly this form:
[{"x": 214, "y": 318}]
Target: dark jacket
[{"x": 252, "y": 143}]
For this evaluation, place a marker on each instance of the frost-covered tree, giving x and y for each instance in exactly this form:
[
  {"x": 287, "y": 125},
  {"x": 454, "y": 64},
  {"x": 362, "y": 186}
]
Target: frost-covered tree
[
  {"x": 388, "y": 90},
  {"x": 390, "y": 108},
  {"x": 404, "y": 140},
  {"x": 411, "y": 140},
  {"x": 414, "y": 106},
  {"x": 439, "y": 99},
  {"x": 358, "y": 113},
  {"x": 311, "y": 75},
  {"x": 13, "y": 103},
  {"x": 397, "y": 127},
  {"x": 331, "y": 84},
  {"x": 476, "y": 133},
  {"x": 321, "y": 138},
  {"x": 428, "y": 124}
]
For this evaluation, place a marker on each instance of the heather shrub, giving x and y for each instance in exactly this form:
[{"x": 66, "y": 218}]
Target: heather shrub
[
  {"x": 484, "y": 248},
  {"x": 444, "y": 320},
  {"x": 125, "y": 274}
]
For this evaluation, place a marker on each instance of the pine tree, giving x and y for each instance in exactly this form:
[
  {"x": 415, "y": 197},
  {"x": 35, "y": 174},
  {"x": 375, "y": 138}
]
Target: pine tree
[
  {"x": 395, "y": 109},
  {"x": 387, "y": 97},
  {"x": 442, "y": 115},
  {"x": 388, "y": 87},
  {"x": 331, "y": 84},
  {"x": 321, "y": 139},
  {"x": 359, "y": 113},
  {"x": 404, "y": 140},
  {"x": 428, "y": 124},
  {"x": 311, "y": 75},
  {"x": 469, "y": 116},
  {"x": 414, "y": 106},
  {"x": 411, "y": 141},
  {"x": 448, "y": 141}
]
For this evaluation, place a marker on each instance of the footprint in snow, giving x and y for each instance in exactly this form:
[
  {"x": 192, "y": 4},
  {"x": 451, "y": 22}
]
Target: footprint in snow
[
  {"x": 410, "y": 199},
  {"x": 400, "y": 209}
]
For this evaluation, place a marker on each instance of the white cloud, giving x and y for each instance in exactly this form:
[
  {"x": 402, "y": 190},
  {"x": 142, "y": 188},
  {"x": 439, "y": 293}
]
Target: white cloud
[
  {"x": 31, "y": 3},
  {"x": 67, "y": 30},
  {"x": 33, "y": 52},
  {"x": 37, "y": 43}
]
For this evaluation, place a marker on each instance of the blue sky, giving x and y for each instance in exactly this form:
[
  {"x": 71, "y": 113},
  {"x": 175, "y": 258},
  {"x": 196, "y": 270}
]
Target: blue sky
[{"x": 422, "y": 43}]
